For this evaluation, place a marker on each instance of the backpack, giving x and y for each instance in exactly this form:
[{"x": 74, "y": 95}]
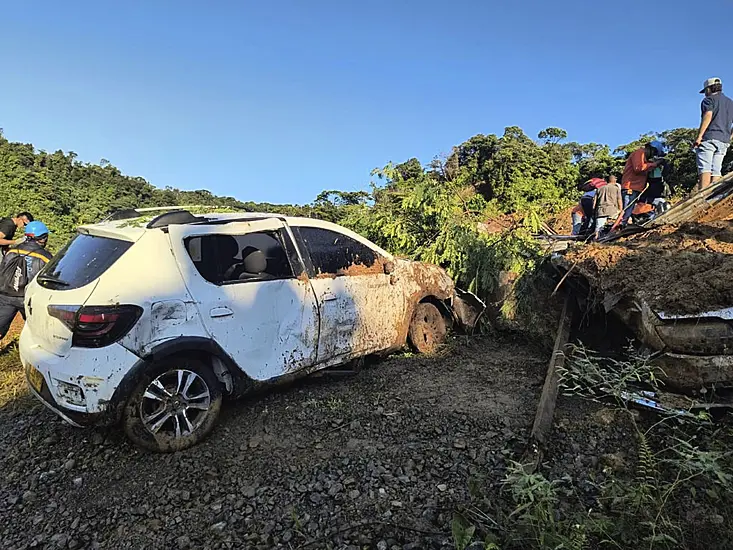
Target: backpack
[
  {"x": 593, "y": 184},
  {"x": 13, "y": 274}
]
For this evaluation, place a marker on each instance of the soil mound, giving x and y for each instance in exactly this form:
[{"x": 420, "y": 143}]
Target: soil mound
[{"x": 683, "y": 269}]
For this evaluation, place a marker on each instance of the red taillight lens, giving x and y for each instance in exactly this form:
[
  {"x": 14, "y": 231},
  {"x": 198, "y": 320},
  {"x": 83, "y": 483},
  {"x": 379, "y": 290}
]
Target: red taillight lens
[
  {"x": 96, "y": 326},
  {"x": 65, "y": 314}
]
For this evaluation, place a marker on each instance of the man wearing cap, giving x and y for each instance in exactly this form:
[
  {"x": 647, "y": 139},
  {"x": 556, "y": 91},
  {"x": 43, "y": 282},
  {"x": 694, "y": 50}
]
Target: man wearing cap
[{"x": 714, "y": 135}]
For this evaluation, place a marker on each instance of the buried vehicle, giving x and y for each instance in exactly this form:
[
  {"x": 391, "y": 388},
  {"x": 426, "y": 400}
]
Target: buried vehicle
[
  {"x": 669, "y": 281},
  {"x": 150, "y": 321}
]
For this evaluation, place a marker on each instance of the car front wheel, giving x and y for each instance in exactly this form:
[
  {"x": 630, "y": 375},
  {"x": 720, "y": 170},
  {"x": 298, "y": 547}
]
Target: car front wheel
[
  {"x": 174, "y": 406},
  {"x": 427, "y": 328}
]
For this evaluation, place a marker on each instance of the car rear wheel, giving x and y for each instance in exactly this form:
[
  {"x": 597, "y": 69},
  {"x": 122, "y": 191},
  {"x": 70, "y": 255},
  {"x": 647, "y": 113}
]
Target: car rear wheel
[
  {"x": 174, "y": 406},
  {"x": 427, "y": 328}
]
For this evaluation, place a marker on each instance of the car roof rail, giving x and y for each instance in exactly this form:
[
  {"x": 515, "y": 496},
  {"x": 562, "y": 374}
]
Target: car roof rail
[
  {"x": 129, "y": 213},
  {"x": 177, "y": 217},
  {"x": 124, "y": 214}
]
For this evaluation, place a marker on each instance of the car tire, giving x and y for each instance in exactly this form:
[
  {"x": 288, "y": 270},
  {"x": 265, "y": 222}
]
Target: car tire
[
  {"x": 428, "y": 328},
  {"x": 174, "y": 406}
]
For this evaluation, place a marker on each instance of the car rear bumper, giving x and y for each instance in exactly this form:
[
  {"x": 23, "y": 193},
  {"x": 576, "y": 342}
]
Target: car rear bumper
[
  {"x": 75, "y": 418},
  {"x": 79, "y": 387}
]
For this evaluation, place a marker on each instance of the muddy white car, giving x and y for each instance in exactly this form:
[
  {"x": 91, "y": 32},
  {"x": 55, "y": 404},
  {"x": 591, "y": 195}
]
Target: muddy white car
[{"x": 149, "y": 322}]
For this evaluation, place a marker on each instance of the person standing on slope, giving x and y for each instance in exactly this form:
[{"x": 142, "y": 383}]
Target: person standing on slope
[
  {"x": 607, "y": 204},
  {"x": 8, "y": 227},
  {"x": 18, "y": 268},
  {"x": 714, "y": 134},
  {"x": 633, "y": 180}
]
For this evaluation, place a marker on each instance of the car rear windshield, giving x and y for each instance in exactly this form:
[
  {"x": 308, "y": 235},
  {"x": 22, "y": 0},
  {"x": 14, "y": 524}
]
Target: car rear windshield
[{"x": 81, "y": 261}]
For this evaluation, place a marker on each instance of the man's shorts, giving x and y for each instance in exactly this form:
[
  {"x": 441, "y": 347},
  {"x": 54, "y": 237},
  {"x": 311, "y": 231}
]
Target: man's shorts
[{"x": 710, "y": 156}]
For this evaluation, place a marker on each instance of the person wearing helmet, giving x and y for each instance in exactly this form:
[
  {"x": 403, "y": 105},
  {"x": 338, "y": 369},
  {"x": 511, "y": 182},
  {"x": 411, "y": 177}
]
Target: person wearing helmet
[
  {"x": 714, "y": 134},
  {"x": 633, "y": 181},
  {"x": 18, "y": 268}
]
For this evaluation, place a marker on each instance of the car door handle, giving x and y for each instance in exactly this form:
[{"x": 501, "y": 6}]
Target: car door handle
[
  {"x": 219, "y": 312},
  {"x": 328, "y": 296}
]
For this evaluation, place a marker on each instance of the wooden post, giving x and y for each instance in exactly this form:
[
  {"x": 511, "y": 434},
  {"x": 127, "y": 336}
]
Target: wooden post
[{"x": 548, "y": 398}]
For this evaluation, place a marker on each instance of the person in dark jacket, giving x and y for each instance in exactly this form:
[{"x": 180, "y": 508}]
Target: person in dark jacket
[
  {"x": 8, "y": 227},
  {"x": 18, "y": 268}
]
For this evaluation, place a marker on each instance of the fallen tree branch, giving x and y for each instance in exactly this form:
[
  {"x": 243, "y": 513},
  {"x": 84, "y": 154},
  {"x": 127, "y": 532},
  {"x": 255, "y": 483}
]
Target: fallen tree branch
[{"x": 564, "y": 277}]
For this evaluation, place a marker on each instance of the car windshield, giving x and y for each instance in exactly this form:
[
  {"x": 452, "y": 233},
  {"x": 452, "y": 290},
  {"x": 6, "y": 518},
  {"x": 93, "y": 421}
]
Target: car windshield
[{"x": 81, "y": 261}]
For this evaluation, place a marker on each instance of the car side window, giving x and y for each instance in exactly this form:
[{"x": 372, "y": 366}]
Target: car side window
[
  {"x": 333, "y": 253},
  {"x": 227, "y": 259}
]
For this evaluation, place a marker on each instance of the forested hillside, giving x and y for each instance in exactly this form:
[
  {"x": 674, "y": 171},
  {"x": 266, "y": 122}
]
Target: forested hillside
[
  {"x": 471, "y": 211},
  {"x": 64, "y": 192}
]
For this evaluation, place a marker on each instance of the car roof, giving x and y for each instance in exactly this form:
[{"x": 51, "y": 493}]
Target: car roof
[{"x": 133, "y": 228}]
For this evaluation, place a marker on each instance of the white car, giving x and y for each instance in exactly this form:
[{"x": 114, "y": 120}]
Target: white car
[{"x": 150, "y": 321}]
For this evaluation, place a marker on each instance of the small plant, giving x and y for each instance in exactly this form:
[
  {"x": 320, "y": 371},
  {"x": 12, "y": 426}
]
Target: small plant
[
  {"x": 588, "y": 374},
  {"x": 535, "y": 519},
  {"x": 334, "y": 404},
  {"x": 462, "y": 532}
]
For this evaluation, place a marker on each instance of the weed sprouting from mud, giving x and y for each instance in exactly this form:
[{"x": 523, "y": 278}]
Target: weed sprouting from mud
[{"x": 332, "y": 404}]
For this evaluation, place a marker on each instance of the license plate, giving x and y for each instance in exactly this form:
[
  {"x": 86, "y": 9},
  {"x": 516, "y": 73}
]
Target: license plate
[{"x": 35, "y": 378}]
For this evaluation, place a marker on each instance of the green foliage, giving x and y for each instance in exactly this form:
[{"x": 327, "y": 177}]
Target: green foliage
[
  {"x": 442, "y": 222},
  {"x": 586, "y": 373},
  {"x": 535, "y": 518},
  {"x": 514, "y": 172}
]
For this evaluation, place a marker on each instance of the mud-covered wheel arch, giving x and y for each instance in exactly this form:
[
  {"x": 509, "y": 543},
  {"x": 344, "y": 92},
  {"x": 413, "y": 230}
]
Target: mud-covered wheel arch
[
  {"x": 428, "y": 325},
  {"x": 174, "y": 405}
]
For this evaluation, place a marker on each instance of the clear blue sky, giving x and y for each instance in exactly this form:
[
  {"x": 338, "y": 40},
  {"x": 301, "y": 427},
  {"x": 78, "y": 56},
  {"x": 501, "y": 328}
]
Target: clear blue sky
[{"x": 278, "y": 100}]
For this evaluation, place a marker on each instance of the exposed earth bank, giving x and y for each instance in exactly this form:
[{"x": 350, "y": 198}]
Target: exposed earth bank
[{"x": 684, "y": 269}]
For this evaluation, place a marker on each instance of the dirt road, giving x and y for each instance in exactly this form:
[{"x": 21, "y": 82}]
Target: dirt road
[{"x": 380, "y": 459}]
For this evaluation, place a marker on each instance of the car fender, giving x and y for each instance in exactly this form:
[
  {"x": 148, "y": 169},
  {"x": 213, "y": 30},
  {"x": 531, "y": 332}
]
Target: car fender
[
  {"x": 224, "y": 366},
  {"x": 423, "y": 281}
]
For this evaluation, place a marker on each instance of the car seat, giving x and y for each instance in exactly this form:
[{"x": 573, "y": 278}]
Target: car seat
[{"x": 253, "y": 266}]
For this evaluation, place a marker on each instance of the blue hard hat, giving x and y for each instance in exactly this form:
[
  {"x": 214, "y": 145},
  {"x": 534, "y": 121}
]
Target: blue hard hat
[
  {"x": 36, "y": 229},
  {"x": 658, "y": 145}
]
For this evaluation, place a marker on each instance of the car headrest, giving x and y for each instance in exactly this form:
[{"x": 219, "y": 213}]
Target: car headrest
[
  {"x": 255, "y": 262},
  {"x": 228, "y": 246}
]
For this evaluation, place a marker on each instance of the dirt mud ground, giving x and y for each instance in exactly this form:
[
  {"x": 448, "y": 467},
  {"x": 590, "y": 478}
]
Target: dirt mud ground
[
  {"x": 378, "y": 460},
  {"x": 381, "y": 459},
  {"x": 681, "y": 269}
]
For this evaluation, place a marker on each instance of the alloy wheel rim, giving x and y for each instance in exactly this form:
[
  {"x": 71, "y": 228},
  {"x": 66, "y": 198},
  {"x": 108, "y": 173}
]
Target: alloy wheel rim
[{"x": 175, "y": 404}]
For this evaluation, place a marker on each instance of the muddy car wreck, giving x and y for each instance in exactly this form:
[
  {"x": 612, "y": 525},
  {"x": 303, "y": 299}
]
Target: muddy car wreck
[
  {"x": 149, "y": 321},
  {"x": 669, "y": 282}
]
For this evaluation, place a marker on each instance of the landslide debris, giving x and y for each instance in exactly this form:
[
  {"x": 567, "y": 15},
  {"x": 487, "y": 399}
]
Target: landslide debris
[{"x": 678, "y": 269}]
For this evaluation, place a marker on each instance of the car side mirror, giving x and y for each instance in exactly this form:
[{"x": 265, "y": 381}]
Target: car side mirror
[{"x": 388, "y": 268}]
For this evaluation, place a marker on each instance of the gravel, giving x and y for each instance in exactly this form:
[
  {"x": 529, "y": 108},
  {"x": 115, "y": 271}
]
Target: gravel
[{"x": 380, "y": 459}]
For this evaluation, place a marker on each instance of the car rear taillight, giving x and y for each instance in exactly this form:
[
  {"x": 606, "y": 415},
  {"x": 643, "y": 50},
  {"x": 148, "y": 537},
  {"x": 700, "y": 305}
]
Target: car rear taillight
[{"x": 96, "y": 326}]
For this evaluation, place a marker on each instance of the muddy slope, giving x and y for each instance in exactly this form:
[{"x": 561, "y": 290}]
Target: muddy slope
[{"x": 677, "y": 269}]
